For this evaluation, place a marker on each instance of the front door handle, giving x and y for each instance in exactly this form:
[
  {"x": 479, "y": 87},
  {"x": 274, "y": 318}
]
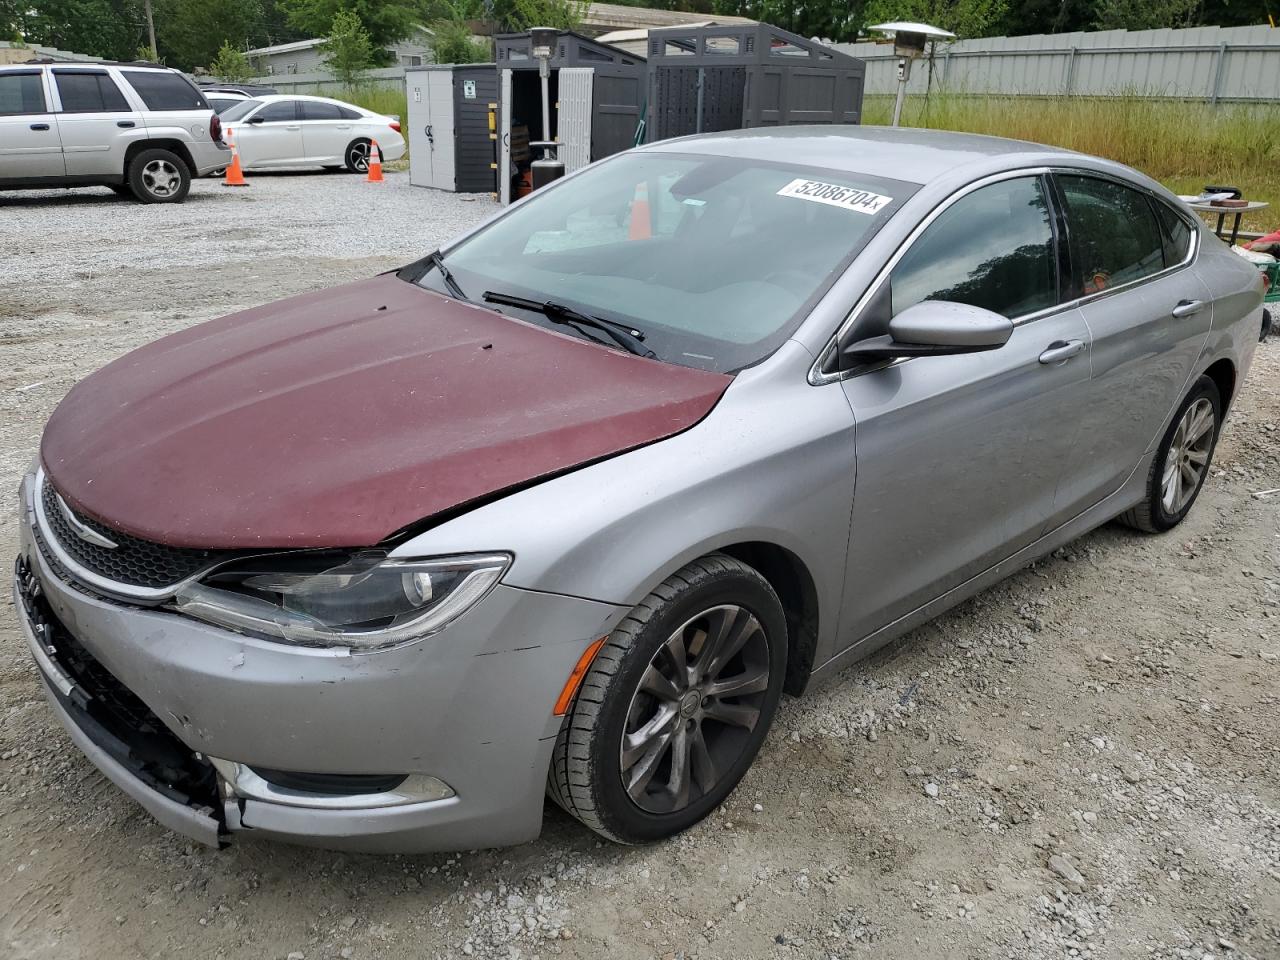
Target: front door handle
[
  {"x": 1187, "y": 308},
  {"x": 39, "y": 126},
  {"x": 293, "y": 127},
  {"x": 1061, "y": 350},
  {"x": 125, "y": 123}
]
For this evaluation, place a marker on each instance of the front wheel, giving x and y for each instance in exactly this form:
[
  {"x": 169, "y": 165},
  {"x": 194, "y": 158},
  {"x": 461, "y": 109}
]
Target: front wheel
[
  {"x": 675, "y": 706},
  {"x": 159, "y": 176},
  {"x": 1182, "y": 461}
]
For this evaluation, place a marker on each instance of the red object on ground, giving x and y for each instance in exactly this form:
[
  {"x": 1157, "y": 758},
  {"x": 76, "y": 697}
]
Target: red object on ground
[
  {"x": 234, "y": 175},
  {"x": 375, "y": 163},
  {"x": 1264, "y": 242},
  {"x": 335, "y": 418}
]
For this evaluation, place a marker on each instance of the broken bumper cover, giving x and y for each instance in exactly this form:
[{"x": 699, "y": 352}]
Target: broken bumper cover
[{"x": 464, "y": 715}]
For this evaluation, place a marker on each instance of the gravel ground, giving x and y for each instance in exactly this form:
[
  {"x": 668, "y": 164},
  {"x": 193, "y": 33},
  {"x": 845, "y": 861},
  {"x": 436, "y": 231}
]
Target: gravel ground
[{"x": 1080, "y": 762}]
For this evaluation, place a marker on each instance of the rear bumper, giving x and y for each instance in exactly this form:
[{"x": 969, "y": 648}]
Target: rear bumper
[
  {"x": 470, "y": 707},
  {"x": 392, "y": 151},
  {"x": 209, "y": 157}
]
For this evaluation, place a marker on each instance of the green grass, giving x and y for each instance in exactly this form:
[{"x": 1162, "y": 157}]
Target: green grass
[
  {"x": 380, "y": 99},
  {"x": 1183, "y": 145}
]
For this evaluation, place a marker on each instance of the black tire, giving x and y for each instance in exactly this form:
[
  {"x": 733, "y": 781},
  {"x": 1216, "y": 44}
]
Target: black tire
[
  {"x": 158, "y": 176},
  {"x": 1154, "y": 515},
  {"x": 586, "y": 776},
  {"x": 357, "y": 156}
]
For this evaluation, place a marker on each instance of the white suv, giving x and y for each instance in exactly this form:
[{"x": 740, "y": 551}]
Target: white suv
[{"x": 137, "y": 128}]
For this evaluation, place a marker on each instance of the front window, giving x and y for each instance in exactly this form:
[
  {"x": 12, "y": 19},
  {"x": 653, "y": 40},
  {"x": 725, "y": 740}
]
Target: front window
[
  {"x": 715, "y": 259},
  {"x": 993, "y": 248}
]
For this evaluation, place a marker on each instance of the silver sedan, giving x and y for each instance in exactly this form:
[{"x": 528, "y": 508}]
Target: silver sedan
[{"x": 565, "y": 508}]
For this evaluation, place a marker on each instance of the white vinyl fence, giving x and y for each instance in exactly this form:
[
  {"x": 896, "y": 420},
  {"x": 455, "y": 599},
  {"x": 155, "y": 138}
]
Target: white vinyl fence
[{"x": 1213, "y": 64}]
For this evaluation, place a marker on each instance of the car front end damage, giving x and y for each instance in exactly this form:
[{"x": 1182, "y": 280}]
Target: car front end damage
[{"x": 437, "y": 743}]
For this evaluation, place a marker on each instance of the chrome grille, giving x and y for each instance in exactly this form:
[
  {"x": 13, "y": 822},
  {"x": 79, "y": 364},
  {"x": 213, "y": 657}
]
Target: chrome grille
[{"x": 133, "y": 562}]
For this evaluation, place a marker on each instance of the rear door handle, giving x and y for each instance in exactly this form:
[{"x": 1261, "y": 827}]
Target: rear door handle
[
  {"x": 293, "y": 127},
  {"x": 1187, "y": 308},
  {"x": 1061, "y": 350},
  {"x": 39, "y": 126},
  {"x": 125, "y": 123}
]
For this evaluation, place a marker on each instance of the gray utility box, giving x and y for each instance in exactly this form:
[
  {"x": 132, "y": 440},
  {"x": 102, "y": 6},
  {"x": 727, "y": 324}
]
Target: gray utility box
[
  {"x": 452, "y": 142},
  {"x": 596, "y": 92},
  {"x": 705, "y": 79}
]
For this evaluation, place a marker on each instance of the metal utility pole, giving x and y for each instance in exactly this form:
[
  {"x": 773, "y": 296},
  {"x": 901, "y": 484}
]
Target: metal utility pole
[
  {"x": 909, "y": 40},
  {"x": 151, "y": 29}
]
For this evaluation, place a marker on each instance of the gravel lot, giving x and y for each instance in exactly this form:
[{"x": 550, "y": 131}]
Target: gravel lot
[{"x": 1079, "y": 762}]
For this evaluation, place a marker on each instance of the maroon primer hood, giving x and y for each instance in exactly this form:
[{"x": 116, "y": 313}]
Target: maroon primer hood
[{"x": 335, "y": 418}]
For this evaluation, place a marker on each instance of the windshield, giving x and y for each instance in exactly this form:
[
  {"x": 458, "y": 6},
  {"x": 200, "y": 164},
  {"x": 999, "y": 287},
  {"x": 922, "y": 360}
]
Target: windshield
[
  {"x": 243, "y": 108},
  {"x": 714, "y": 259}
]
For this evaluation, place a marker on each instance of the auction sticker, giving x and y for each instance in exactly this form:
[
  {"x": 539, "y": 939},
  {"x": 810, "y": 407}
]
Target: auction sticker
[{"x": 848, "y": 198}]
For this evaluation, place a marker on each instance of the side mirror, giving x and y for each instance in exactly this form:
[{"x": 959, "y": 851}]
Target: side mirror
[
  {"x": 257, "y": 120},
  {"x": 934, "y": 328}
]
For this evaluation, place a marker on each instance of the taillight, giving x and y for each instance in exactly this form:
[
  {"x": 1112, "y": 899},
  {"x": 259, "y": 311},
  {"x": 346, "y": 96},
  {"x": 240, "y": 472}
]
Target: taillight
[
  {"x": 395, "y": 125},
  {"x": 215, "y": 128}
]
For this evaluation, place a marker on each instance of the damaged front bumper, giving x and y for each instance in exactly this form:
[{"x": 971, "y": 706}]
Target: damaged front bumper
[{"x": 438, "y": 745}]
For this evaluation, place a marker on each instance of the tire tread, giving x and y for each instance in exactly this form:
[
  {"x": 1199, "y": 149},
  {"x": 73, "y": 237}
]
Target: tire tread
[{"x": 569, "y": 781}]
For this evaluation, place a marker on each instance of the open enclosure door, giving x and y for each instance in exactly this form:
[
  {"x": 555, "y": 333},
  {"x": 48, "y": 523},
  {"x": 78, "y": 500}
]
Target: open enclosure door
[
  {"x": 573, "y": 123},
  {"x": 504, "y": 139}
]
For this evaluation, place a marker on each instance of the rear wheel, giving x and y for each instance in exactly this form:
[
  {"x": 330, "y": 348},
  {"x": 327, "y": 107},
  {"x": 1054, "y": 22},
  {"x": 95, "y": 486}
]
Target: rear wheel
[
  {"x": 159, "y": 176},
  {"x": 358, "y": 156},
  {"x": 675, "y": 705},
  {"x": 1182, "y": 461}
]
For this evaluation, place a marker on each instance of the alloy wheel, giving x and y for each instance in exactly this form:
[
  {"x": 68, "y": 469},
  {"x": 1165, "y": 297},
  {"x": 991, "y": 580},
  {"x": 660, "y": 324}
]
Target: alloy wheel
[
  {"x": 692, "y": 715},
  {"x": 1188, "y": 456},
  {"x": 161, "y": 178},
  {"x": 358, "y": 157}
]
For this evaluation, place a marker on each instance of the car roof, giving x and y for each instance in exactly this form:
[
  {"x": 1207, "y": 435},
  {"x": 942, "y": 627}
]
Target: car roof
[
  {"x": 896, "y": 153},
  {"x": 269, "y": 97},
  {"x": 86, "y": 64}
]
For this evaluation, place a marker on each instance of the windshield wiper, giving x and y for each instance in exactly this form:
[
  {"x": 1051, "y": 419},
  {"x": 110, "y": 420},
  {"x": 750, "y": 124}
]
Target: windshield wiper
[
  {"x": 625, "y": 336},
  {"x": 437, "y": 261}
]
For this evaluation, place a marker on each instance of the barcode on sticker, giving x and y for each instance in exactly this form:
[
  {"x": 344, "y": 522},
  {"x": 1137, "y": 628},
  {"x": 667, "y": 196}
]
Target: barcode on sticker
[{"x": 849, "y": 198}]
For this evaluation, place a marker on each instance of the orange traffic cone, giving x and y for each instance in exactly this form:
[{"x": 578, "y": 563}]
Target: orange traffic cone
[
  {"x": 640, "y": 229},
  {"x": 375, "y": 163},
  {"x": 234, "y": 175}
]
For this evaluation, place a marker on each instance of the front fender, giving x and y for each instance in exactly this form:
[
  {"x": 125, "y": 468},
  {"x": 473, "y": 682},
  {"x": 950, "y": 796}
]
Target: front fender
[{"x": 773, "y": 462}]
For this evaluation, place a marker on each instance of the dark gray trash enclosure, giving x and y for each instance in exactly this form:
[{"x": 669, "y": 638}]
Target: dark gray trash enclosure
[
  {"x": 596, "y": 94},
  {"x": 706, "y": 79},
  {"x": 451, "y": 145}
]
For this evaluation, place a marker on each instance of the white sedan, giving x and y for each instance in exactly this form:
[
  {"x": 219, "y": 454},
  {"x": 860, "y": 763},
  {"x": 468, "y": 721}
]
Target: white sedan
[{"x": 298, "y": 131}]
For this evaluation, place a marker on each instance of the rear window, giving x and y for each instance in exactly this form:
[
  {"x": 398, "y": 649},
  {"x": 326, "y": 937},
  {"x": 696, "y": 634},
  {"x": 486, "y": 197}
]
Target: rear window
[
  {"x": 82, "y": 91},
  {"x": 315, "y": 110},
  {"x": 21, "y": 93},
  {"x": 1177, "y": 234},
  {"x": 164, "y": 90}
]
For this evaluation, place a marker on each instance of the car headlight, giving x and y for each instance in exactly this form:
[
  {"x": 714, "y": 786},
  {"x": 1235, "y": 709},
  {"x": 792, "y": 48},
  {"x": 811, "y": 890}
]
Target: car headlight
[{"x": 363, "y": 601}]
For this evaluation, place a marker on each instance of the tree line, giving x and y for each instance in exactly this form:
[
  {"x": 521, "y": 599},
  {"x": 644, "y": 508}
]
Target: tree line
[{"x": 194, "y": 34}]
